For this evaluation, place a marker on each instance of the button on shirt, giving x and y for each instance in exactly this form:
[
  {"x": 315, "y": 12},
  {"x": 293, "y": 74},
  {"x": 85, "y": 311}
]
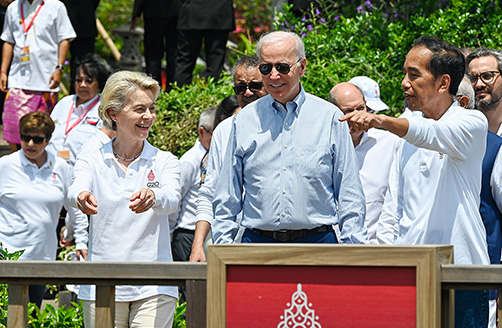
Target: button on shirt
[
  {"x": 31, "y": 199},
  {"x": 118, "y": 234},
  {"x": 435, "y": 185},
  {"x": 78, "y": 135},
  {"x": 51, "y": 26},
  {"x": 190, "y": 183},
  {"x": 298, "y": 167}
]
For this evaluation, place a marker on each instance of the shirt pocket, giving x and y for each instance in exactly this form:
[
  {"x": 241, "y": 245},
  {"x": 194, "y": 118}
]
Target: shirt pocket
[{"x": 314, "y": 163}]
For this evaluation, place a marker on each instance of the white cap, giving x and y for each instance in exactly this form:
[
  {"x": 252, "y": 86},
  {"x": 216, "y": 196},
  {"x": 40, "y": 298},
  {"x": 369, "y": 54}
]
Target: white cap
[{"x": 371, "y": 92}]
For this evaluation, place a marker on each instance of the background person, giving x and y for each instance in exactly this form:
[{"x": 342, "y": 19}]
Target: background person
[
  {"x": 160, "y": 37},
  {"x": 76, "y": 116},
  {"x": 33, "y": 189},
  {"x": 226, "y": 108},
  {"x": 36, "y": 37},
  {"x": 207, "y": 22},
  {"x": 374, "y": 152},
  {"x": 183, "y": 221},
  {"x": 248, "y": 86},
  {"x": 128, "y": 186}
]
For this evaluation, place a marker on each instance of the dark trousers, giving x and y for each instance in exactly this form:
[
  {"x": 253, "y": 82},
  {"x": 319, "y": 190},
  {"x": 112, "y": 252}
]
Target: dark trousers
[
  {"x": 327, "y": 237},
  {"x": 78, "y": 49},
  {"x": 160, "y": 38},
  {"x": 181, "y": 245},
  {"x": 189, "y": 46},
  {"x": 36, "y": 294},
  {"x": 471, "y": 308}
]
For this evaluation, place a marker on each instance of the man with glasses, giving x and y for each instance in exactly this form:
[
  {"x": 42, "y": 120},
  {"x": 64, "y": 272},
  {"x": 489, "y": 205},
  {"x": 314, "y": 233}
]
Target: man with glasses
[
  {"x": 435, "y": 179},
  {"x": 248, "y": 82},
  {"x": 484, "y": 67},
  {"x": 294, "y": 160},
  {"x": 484, "y": 75},
  {"x": 248, "y": 85}
]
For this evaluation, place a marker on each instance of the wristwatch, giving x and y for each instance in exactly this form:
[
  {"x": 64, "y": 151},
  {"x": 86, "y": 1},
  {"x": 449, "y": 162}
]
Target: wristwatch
[{"x": 60, "y": 67}]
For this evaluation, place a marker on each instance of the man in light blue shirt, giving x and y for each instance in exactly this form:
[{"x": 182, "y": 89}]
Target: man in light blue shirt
[{"x": 292, "y": 157}]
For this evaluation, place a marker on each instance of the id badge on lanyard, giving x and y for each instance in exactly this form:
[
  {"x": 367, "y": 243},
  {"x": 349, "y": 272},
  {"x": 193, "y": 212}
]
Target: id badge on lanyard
[
  {"x": 25, "y": 55},
  {"x": 29, "y": 34}
]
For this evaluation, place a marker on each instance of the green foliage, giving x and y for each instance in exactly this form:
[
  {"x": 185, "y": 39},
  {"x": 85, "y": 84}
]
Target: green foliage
[
  {"x": 179, "y": 315},
  {"x": 4, "y": 296},
  {"x": 375, "y": 39},
  {"x": 113, "y": 14},
  {"x": 178, "y": 113},
  {"x": 63, "y": 317}
]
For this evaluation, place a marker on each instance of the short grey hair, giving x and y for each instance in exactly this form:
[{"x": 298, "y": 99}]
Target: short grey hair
[
  {"x": 277, "y": 36},
  {"x": 206, "y": 119},
  {"x": 465, "y": 89},
  {"x": 247, "y": 61},
  {"x": 485, "y": 52},
  {"x": 116, "y": 93}
]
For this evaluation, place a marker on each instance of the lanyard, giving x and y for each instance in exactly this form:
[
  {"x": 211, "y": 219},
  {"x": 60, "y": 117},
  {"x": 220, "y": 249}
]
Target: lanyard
[
  {"x": 67, "y": 130},
  {"x": 26, "y": 29}
]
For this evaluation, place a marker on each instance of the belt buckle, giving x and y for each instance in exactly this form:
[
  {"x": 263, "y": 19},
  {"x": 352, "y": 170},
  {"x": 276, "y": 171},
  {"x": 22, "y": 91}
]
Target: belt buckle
[{"x": 280, "y": 235}]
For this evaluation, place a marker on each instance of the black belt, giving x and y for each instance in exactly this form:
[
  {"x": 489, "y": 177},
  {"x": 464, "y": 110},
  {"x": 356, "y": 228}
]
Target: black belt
[{"x": 289, "y": 235}]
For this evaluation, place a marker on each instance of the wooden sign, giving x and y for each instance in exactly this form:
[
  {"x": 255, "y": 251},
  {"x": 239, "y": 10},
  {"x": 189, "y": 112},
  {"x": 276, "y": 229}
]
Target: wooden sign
[{"x": 311, "y": 285}]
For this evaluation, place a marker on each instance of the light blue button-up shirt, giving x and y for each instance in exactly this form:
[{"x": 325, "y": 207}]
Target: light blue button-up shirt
[{"x": 298, "y": 167}]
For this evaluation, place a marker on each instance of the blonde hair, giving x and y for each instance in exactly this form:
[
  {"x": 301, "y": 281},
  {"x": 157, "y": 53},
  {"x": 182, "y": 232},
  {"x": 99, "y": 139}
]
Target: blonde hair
[{"x": 116, "y": 93}]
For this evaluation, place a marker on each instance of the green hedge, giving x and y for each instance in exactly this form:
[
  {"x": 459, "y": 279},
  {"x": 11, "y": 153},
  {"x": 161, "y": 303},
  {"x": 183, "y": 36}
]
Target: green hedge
[{"x": 371, "y": 40}]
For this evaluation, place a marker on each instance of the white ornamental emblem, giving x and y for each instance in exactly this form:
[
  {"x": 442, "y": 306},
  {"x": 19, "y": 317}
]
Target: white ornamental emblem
[{"x": 299, "y": 314}]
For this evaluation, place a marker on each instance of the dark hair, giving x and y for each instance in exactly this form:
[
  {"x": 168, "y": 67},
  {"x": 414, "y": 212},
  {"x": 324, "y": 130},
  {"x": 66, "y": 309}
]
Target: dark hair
[
  {"x": 36, "y": 122},
  {"x": 248, "y": 61},
  {"x": 225, "y": 109},
  {"x": 446, "y": 59},
  {"x": 94, "y": 67},
  {"x": 486, "y": 52}
]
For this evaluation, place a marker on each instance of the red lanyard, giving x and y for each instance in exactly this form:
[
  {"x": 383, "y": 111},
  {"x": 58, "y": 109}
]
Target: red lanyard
[
  {"x": 67, "y": 130},
  {"x": 26, "y": 29}
]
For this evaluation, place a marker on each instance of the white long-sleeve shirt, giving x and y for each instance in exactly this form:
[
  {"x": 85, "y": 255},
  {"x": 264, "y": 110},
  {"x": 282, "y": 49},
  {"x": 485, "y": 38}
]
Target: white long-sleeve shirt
[
  {"x": 190, "y": 182},
  {"x": 435, "y": 185},
  {"x": 118, "y": 234},
  {"x": 216, "y": 154},
  {"x": 374, "y": 155},
  {"x": 31, "y": 199}
]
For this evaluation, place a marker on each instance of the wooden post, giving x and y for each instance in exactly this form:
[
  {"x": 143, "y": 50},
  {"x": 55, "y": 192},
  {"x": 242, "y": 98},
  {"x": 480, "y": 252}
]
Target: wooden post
[
  {"x": 447, "y": 308},
  {"x": 196, "y": 303},
  {"x": 105, "y": 306},
  {"x": 18, "y": 306},
  {"x": 108, "y": 41}
]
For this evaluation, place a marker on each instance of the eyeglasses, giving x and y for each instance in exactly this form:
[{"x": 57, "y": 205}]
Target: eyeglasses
[
  {"x": 282, "y": 68},
  {"x": 487, "y": 77},
  {"x": 26, "y": 138},
  {"x": 252, "y": 86},
  {"x": 87, "y": 81}
]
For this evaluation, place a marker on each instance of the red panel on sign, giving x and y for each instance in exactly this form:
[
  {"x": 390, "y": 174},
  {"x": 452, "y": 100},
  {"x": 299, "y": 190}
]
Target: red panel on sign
[{"x": 320, "y": 296}]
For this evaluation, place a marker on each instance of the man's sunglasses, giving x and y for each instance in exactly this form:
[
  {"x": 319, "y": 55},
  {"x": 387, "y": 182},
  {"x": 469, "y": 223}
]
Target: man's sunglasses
[
  {"x": 26, "y": 138},
  {"x": 252, "y": 86},
  {"x": 486, "y": 77},
  {"x": 283, "y": 68}
]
